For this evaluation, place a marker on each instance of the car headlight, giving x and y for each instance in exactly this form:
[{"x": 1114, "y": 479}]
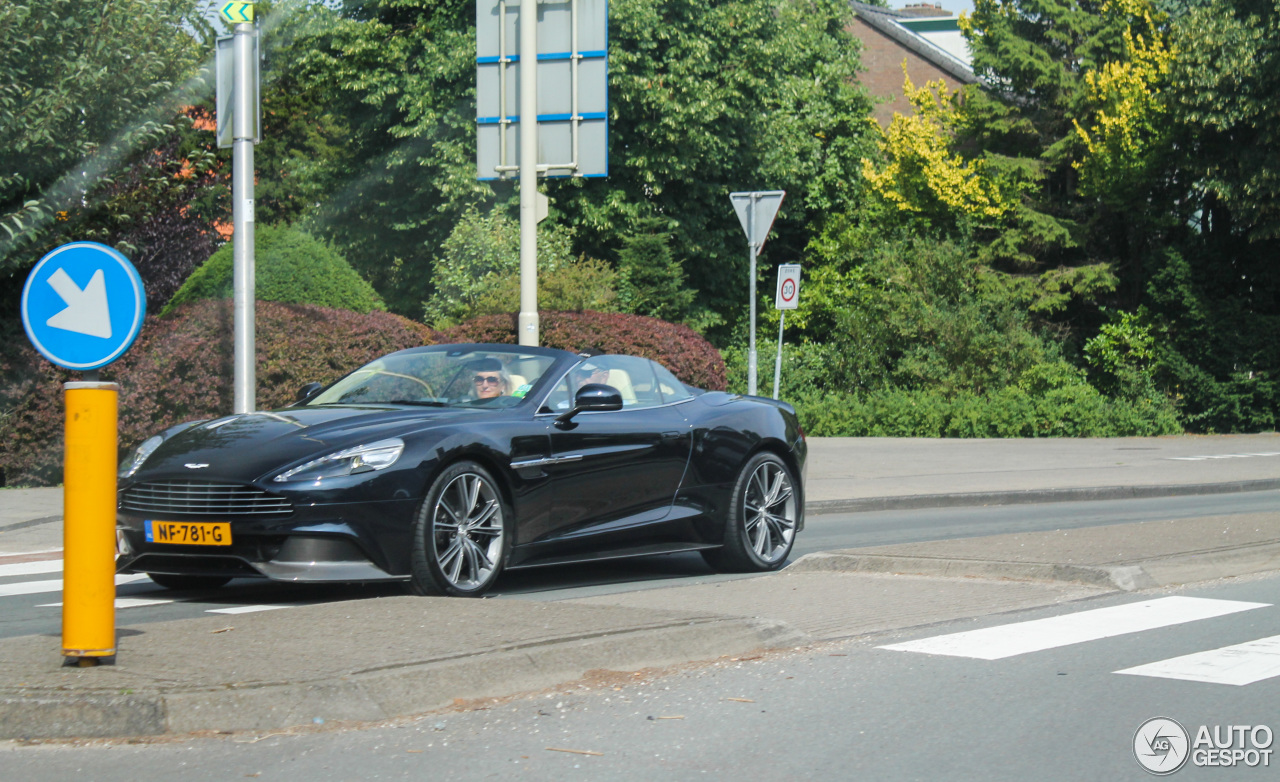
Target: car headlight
[
  {"x": 352, "y": 461},
  {"x": 140, "y": 455}
]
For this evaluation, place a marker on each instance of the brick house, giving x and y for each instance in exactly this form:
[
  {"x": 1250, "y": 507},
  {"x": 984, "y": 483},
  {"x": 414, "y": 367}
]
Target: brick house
[{"x": 924, "y": 35}]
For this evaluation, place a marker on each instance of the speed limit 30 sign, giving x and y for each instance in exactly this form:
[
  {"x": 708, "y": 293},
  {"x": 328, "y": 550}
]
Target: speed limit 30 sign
[{"x": 788, "y": 295}]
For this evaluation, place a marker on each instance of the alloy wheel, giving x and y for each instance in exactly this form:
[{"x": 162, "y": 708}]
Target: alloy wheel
[
  {"x": 769, "y": 512},
  {"x": 468, "y": 529}
]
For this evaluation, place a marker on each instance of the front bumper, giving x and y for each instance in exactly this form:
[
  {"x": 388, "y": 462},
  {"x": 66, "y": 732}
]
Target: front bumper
[{"x": 344, "y": 542}]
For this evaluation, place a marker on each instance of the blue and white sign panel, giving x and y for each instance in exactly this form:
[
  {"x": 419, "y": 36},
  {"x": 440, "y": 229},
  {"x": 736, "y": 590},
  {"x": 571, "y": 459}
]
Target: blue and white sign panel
[
  {"x": 573, "y": 88},
  {"x": 83, "y": 305}
]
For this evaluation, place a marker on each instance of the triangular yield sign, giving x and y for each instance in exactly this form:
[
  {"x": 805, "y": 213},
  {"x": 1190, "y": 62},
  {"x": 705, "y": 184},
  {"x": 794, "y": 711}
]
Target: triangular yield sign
[{"x": 764, "y": 204}]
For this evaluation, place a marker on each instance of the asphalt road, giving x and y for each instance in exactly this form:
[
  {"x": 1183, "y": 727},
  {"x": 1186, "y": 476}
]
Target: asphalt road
[
  {"x": 30, "y": 612},
  {"x": 840, "y": 710}
]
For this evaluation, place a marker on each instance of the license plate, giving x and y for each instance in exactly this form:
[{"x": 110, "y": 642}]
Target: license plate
[{"x": 189, "y": 533}]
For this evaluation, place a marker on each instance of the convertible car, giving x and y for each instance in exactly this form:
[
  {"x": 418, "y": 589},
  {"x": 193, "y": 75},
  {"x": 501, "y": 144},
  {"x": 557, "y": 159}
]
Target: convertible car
[{"x": 443, "y": 466}]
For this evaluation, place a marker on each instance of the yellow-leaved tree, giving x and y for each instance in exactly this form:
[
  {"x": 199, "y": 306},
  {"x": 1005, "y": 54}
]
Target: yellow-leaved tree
[
  {"x": 922, "y": 178},
  {"x": 1128, "y": 132}
]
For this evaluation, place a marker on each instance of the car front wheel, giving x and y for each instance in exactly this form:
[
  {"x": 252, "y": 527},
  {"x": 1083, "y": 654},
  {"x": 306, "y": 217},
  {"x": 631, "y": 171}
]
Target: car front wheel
[
  {"x": 460, "y": 536},
  {"x": 760, "y": 528}
]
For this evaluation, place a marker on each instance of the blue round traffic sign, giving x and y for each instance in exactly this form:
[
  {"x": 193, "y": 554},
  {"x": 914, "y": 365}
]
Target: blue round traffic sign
[{"x": 83, "y": 305}]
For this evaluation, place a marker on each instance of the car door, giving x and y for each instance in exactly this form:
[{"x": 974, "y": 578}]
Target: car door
[{"x": 620, "y": 469}]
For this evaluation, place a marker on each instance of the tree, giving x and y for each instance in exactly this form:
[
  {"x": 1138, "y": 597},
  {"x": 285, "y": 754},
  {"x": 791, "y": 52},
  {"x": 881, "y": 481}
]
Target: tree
[
  {"x": 1213, "y": 301},
  {"x": 705, "y": 98},
  {"x": 922, "y": 181},
  {"x": 914, "y": 310},
  {"x": 83, "y": 87},
  {"x": 397, "y": 79},
  {"x": 478, "y": 273},
  {"x": 1180, "y": 136},
  {"x": 652, "y": 281},
  {"x": 1225, "y": 90},
  {"x": 1033, "y": 56},
  {"x": 1128, "y": 140}
]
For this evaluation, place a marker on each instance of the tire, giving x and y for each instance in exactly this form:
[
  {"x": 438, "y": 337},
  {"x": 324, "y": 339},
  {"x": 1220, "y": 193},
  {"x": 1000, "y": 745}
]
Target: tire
[
  {"x": 760, "y": 526},
  {"x": 462, "y": 534},
  {"x": 183, "y": 583}
]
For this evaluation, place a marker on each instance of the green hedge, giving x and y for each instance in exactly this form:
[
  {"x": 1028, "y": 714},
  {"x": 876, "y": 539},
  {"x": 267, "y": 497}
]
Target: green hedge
[
  {"x": 289, "y": 266},
  {"x": 1051, "y": 399},
  {"x": 1076, "y": 411}
]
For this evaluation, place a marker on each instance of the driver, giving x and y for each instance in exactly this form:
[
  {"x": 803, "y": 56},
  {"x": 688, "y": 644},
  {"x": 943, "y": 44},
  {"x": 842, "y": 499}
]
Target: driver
[{"x": 491, "y": 379}]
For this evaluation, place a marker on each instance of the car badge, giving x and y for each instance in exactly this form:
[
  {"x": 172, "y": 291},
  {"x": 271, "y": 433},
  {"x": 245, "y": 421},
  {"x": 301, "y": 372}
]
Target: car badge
[{"x": 194, "y": 466}]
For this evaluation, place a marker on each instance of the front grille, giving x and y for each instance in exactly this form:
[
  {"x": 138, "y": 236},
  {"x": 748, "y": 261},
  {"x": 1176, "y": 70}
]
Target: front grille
[{"x": 202, "y": 498}]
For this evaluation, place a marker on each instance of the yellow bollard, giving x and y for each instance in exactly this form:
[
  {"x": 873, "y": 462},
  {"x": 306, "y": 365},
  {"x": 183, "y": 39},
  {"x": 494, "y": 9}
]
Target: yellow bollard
[{"x": 89, "y": 522}]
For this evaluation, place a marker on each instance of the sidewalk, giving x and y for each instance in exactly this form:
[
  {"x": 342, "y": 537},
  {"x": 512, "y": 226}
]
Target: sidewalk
[{"x": 387, "y": 657}]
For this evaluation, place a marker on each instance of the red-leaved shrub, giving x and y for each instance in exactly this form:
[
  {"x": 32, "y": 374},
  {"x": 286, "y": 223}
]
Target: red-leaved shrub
[
  {"x": 180, "y": 369},
  {"x": 677, "y": 347}
]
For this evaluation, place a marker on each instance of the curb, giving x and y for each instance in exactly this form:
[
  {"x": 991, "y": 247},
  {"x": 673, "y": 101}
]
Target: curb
[
  {"x": 1142, "y": 574},
  {"x": 966, "y": 499},
  {"x": 1127, "y": 578},
  {"x": 389, "y": 691}
]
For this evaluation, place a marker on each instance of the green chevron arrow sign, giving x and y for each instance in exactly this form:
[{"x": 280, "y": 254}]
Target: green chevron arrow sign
[{"x": 237, "y": 13}]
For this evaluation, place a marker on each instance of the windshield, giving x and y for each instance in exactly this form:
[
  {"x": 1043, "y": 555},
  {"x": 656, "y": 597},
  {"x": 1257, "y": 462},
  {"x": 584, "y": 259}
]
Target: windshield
[{"x": 480, "y": 378}]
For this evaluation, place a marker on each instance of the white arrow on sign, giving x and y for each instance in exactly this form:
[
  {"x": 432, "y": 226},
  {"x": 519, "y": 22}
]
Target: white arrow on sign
[{"x": 87, "y": 311}]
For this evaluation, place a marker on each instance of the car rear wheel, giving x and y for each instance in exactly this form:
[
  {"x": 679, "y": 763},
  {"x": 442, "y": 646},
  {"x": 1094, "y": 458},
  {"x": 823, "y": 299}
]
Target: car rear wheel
[
  {"x": 171, "y": 581},
  {"x": 460, "y": 536},
  {"x": 763, "y": 516}
]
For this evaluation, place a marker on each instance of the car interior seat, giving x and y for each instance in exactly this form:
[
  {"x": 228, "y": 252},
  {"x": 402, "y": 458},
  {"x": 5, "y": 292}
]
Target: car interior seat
[{"x": 619, "y": 379}]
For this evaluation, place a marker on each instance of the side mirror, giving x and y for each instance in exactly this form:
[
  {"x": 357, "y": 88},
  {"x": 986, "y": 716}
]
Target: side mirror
[
  {"x": 308, "y": 391},
  {"x": 593, "y": 397}
]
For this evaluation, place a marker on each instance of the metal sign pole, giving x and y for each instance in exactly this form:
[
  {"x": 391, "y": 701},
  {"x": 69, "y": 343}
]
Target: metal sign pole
[
  {"x": 777, "y": 363},
  {"x": 244, "y": 120},
  {"x": 787, "y": 297},
  {"x": 751, "y": 285},
  {"x": 756, "y": 211},
  {"x": 527, "y": 323}
]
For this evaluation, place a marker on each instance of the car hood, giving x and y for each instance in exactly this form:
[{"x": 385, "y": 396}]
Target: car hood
[{"x": 249, "y": 446}]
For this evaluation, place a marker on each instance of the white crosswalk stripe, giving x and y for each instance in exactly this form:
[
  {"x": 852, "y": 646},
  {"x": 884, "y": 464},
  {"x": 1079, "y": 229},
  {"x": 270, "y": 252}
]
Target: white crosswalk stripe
[
  {"x": 1221, "y": 456},
  {"x": 242, "y": 609},
  {"x": 1240, "y": 664},
  {"x": 31, "y": 568},
  {"x": 995, "y": 643},
  {"x": 121, "y": 602},
  {"x": 52, "y": 585}
]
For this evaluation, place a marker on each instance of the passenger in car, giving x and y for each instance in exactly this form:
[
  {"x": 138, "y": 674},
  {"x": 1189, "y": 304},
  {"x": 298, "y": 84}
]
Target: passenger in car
[{"x": 590, "y": 373}]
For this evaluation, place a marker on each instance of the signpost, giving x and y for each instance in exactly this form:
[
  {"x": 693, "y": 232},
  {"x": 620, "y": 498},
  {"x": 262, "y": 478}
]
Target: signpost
[
  {"x": 82, "y": 307},
  {"x": 238, "y": 110},
  {"x": 786, "y": 298},
  {"x": 547, "y": 119},
  {"x": 756, "y": 210}
]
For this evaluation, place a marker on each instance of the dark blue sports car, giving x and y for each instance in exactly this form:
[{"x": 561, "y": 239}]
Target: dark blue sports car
[{"x": 442, "y": 466}]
